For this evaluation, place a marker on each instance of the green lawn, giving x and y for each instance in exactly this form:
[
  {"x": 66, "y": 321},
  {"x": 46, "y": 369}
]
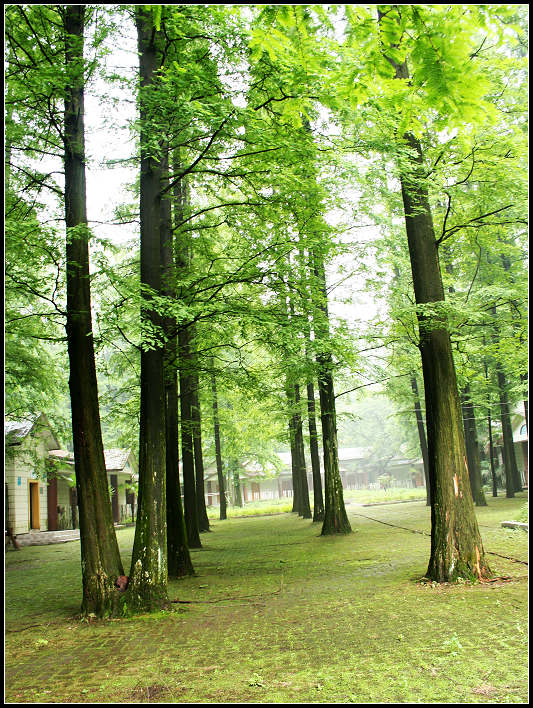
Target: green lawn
[{"x": 280, "y": 614}]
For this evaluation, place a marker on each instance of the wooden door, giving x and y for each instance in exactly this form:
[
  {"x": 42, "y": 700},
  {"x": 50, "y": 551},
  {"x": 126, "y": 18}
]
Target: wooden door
[
  {"x": 34, "y": 505},
  {"x": 51, "y": 494}
]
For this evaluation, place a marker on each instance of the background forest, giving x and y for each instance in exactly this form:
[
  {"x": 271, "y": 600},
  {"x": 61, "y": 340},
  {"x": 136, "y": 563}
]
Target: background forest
[{"x": 284, "y": 143}]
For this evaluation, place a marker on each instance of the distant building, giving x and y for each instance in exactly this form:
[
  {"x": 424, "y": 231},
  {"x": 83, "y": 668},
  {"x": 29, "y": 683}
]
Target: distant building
[
  {"x": 521, "y": 444},
  {"x": 357, "y": 468}
]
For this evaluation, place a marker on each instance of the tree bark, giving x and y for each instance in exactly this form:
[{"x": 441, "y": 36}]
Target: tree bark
[
  {"x": 179, "y": 559},
  {"x": 523, "y": 378},
  {"x": 421, "y": 437},
  {"x": 513, "y": 482},
  {"x": 218, "y": 451},
  {"x": 335, "y": 517},
  {"x": 237, "y": 492},
  {"x": 304, "y": 508},
  {"x": 318, "y": 500},
  {"x": 100, "y": 557},
  {"x": 491, "y": 456},
  {"x": 472, "y": 449},
  {"x": 456, "y": 546},
  {"x": 203, "y": 520},
  {"x": 294, "y": 456},
  {"x": 187, "y": 443},
  {"x": 148, "y": 574}
]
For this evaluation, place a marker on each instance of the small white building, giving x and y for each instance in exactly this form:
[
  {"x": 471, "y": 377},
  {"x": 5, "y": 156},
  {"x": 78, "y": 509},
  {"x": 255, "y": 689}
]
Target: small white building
[
  {"x": 40, "y": 489},
  {"x": 521, "y": 445},
  {"x": 27, "y": 443}
]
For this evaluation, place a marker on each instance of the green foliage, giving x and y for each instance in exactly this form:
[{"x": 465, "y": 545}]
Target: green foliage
[{"x": 285, "y": 127}]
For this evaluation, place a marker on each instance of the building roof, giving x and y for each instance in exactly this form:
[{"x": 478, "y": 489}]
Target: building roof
[
  {"x": 115, "y": 458},
  {"x": 15, "y": 431}
]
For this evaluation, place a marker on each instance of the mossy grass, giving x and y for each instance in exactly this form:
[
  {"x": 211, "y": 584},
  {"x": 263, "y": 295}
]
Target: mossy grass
[
  {"x": 351, "y": 496},
  {"x": 277, "y": 613}
]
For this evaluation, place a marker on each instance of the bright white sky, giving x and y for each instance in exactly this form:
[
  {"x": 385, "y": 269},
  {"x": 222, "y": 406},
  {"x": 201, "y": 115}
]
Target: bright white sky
[{"x": 108, "y": 137}]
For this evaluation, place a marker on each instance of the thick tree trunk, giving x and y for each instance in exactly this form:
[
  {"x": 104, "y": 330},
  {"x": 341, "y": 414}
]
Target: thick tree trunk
[
  {"x": 318, "y": 501},
  {"x": 335, "y": 517},
  {"x": 100, "y": 558},
  {"x": 421, "y": 437},
  {"x": 179, "y": 559},
  {"x": 472, "y": 449},
  {"x": 456, "y": 547},
  {"x": 218, "y": 450},
  {"x": 187, "y": 443},
  {"x": 203, "y": 520},
  {"x": 148, "y": 574}
]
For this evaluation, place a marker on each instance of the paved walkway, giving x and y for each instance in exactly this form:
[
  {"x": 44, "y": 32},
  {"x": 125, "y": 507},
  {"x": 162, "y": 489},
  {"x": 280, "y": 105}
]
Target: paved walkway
[{"x": 44, "y": 538}]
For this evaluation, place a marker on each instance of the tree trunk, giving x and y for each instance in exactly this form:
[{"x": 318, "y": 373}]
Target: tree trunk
[
  {"x": 472, "y": 449},
  {"x": 513, "y": 482},
  {"x": 456, "y": 547},
  {"x": 294, "y": 454},
  {"x": 304, "y": 509},
  {"x": 218, "y": 452},
  {"x": 179, "y": 558},
  {"x": 523, "y": 378},
  {"x": 148, "y": 574},
  {"x": 237, "y": 493},
  {"x": 187, "y": 443},
  {"x": 335, "y": 517},
  {"x": 100, "y": 557},
  {"x": 318, "y": 501},
  {"x": 203, "y": 520},
  {"x": 421, "y": 437},
  {"x": 491, "y": 456}
]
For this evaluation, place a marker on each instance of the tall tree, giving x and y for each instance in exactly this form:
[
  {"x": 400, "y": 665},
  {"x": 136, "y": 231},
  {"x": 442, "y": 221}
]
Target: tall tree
[
  {"x": 335, "y": 517},
  {"x": 203, "y": 520},
  {"x": 218, "y": 450},
  {"x": 318, "y": 499},
  {"x": 148, "y": 574},
  {"x": 101, "y": 563},
  {"x": 456, "y": 546},
  {"x": 187, "y": 440},
  {"x": 179, "y": 559}
]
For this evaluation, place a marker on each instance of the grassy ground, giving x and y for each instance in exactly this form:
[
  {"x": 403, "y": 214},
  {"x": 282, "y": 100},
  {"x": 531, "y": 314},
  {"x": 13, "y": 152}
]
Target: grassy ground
[{"x": 277, "y": 613}]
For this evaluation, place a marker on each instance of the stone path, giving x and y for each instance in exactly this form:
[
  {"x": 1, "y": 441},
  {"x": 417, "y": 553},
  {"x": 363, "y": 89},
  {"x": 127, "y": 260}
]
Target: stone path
[{"x": 44, "y": 538}]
